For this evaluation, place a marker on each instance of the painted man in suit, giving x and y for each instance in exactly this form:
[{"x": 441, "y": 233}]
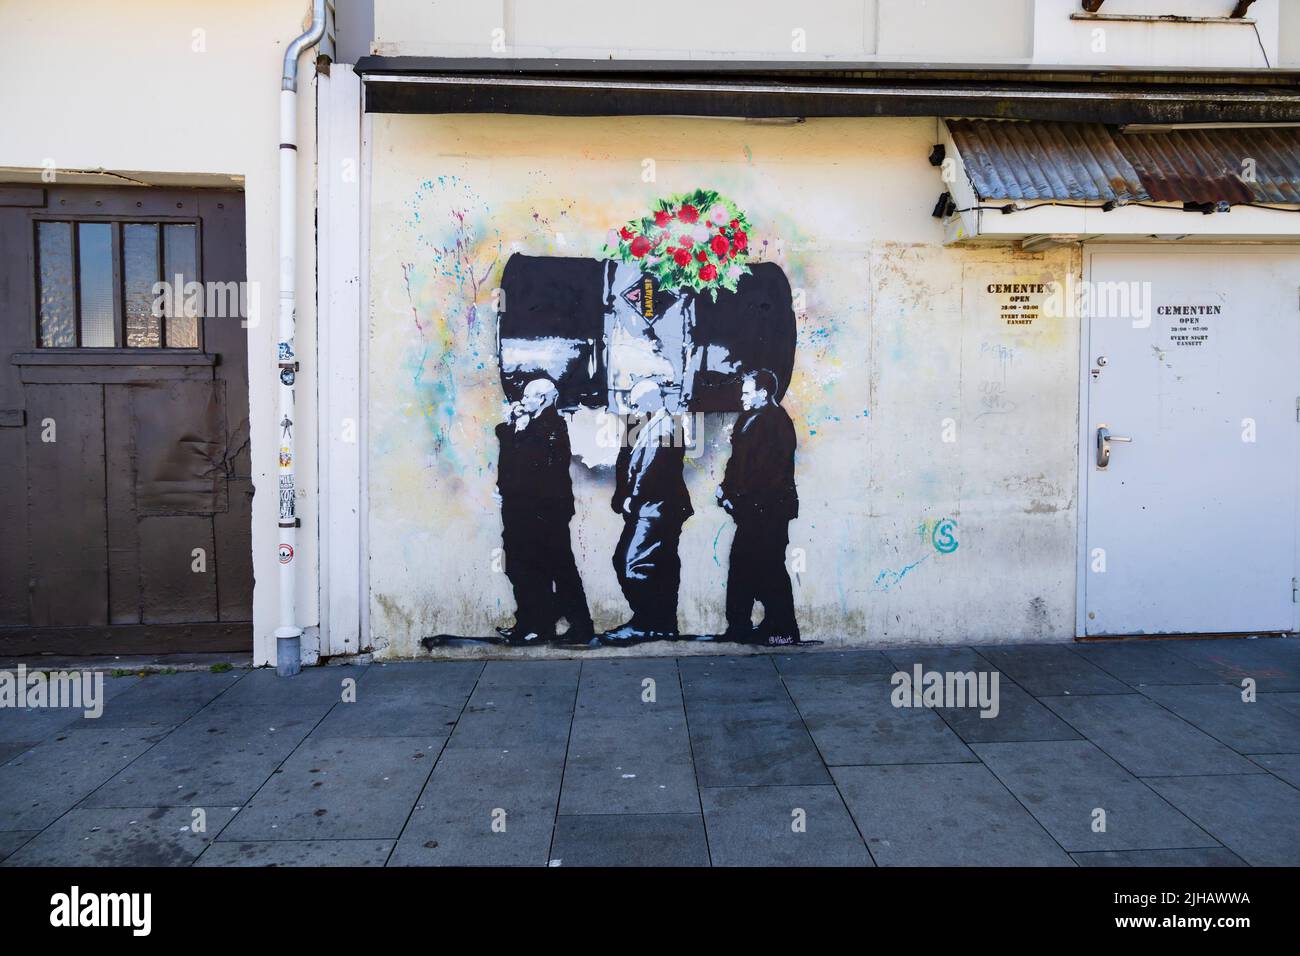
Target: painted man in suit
[
  {"x": 536, "y": 495},
  {"x": 650, "y": 493},
  {"x": 758, "y": 492}
]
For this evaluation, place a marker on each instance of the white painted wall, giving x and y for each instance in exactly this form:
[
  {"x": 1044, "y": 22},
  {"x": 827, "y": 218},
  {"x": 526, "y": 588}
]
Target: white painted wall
[
  {"x": 972, "y": 32},
  {"x": 184, "y": 92},
  {"x": 1059, "y": 39},
  {"x": 899, "y": 335}
]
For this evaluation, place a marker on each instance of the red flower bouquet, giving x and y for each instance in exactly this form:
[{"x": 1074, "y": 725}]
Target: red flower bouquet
[{"x": 696, "y": 240}]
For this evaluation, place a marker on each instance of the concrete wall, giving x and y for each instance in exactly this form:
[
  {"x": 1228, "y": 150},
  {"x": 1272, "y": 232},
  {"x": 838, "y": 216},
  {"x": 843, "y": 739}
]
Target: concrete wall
[
  {"x": 923, "y": 418},
  {"x": 1040, "y": 32},
  {"x": 1060, "y": 39},
  {"x": 183, "y": 92}
]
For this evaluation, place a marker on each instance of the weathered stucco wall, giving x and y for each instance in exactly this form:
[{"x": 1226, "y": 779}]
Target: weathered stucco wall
[{"x": 936, "y": 460}]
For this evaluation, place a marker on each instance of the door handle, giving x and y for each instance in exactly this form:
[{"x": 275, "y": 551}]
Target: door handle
[{"x": 1104, "y": 438}]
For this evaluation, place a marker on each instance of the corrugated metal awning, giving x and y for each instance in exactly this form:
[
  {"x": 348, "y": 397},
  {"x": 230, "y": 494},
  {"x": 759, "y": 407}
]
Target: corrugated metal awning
[{"x": 1093, "y": 162}]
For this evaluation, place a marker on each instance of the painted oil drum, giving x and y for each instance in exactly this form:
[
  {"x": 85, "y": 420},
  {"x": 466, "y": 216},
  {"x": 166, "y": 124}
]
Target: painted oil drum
[{"x": 594, "y": 327}]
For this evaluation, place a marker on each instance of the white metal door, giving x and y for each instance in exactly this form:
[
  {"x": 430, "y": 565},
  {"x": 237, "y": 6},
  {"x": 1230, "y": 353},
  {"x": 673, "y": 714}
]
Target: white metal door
[{"x": 1194, "y": 355}]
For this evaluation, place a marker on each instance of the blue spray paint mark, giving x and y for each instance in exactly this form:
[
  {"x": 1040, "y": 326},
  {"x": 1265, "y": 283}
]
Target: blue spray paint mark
[
  {"x": 887, "y": 578},
  {"x": 715, "y": 544}
]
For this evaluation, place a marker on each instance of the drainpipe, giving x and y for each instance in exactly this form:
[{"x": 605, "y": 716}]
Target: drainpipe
[{"x": 288, "y": 636}]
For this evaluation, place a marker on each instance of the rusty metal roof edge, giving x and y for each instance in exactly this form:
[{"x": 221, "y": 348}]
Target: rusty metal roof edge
[{"x": 1095, "y": 162}]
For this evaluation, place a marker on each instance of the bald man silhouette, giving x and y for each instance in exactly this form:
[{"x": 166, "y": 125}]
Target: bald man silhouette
[
  {"x": 650, "y": 493},
  {"x": 536, "y": 495}
]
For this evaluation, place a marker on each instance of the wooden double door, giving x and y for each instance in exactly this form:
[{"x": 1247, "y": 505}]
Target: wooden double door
[{"x": 125, "y": 481}]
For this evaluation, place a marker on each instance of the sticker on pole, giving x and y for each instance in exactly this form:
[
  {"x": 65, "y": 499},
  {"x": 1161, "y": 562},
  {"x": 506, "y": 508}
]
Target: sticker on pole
[{"x": 286, "y": 553}]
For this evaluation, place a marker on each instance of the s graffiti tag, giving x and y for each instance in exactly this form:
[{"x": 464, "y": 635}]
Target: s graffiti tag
[{"x": 944, "y": 536}]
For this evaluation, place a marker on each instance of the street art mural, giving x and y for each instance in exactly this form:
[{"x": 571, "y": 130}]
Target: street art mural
[
  {"x": 530, "y": 289},
  {"x": 674, "y": 322}
]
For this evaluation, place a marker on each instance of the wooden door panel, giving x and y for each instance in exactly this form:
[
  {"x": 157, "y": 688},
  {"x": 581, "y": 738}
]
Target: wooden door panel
[
  {"x": 151, "y": 457},
  {"x": 123, "y": 533},
  {"x": 172, "y": 590},
  {"x": 234, "y": 543},
  {"x": 66, "y": 505}
]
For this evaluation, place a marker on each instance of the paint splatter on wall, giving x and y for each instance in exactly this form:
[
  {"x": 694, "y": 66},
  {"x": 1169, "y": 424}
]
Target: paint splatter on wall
[{"x": 886, "y": 351}]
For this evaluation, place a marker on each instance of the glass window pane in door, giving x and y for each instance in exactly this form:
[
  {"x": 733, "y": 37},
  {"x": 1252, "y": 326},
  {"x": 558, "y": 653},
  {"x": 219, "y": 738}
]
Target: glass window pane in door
[
  {"x": 140, "y": 273},
  {"x": 180, "y": 261},
  {"x": 95, "y": 274},
  {"x": 58, "y": 301}
]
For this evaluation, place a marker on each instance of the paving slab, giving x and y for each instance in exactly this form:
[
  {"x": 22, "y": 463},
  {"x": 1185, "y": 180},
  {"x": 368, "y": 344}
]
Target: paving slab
[
  {"x": 485, "y": 807},
  {"x": 523, "y": 715},
  {"x": 12, "y": 840},
  {"x": 1050, "y": 670},
  {"x": 1063, "y": 782},
  {"x": 1204, "y": 856},
  {"x": 781, "y": 826},
  {"x": 11, "y": 750},
  {"x": 439, "y": 682},
  {"x": 1020, "y": 717},
  {"x": 33, "y": 724},
  {"x": 750, "y": 680},
  {"x": 1284, "y": 766},
  {"x": 216, "y": 758},
  {"x": 659, "y": 839},
  {"x": 854, "y": 722},
  {"x": 1145, "y": 662},
  {"x": 1273, "y": 662},
  {"x": 1254, "y": 815},
  {"x": 37, "y": 787},
  {"x": 629, "y": 765},
  {"x": 339, "y": 788},
  {"x": 297, "y": 853},
  {"x": 749, "y": 745},
  {"x": 935, "y": 657},
  {"x": 620, "y": 687},
  {"x": 389, "y": 714},
  {"x": 405, "y": 699},
  {"x": 943, "y": 815},
  {"x": 122, "y": 836},
  {"x": 530, "y": 674},
  {"x": 161, "y": 701},
  {"x": 308, "y": 694},
  {"x": 1145, "y": 738},
  {"x": 1256, "y": 727},
  {"x": 1288, "y": 701},
  {"x": 831, "y": 663}
]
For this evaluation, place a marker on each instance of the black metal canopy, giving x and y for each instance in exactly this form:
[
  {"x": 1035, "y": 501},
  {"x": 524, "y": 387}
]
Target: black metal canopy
[{"x": 775, "y": 89}]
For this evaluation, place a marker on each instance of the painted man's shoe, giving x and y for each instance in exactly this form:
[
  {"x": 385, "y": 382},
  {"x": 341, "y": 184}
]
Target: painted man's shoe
[
  {"x": 577, "y": 635},
  {"x": 520, "y": 637},
  {"x": 626, "y": 634}
]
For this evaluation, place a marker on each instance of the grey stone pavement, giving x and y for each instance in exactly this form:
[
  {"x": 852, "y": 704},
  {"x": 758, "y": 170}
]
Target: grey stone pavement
[{"x": 768, "y": 759}]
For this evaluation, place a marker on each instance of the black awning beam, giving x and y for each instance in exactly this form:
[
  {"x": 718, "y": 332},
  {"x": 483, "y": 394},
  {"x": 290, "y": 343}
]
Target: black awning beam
[{"x": 726, "y": 96}]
